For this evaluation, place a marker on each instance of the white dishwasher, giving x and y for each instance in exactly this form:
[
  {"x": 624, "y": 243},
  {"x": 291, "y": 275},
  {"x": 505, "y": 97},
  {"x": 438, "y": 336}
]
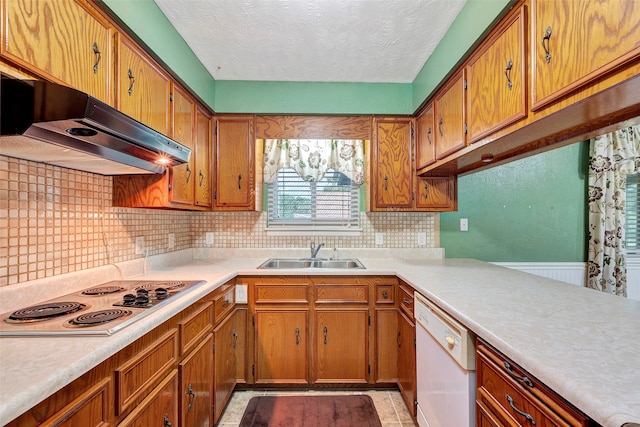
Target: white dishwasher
[{"x": 445, "y": 368}]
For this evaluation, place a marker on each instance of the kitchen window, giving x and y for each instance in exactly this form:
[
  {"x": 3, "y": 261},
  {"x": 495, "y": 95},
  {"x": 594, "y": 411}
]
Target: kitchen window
[
  {"x": 330, "y": 204},
  {"x": 633, "y": 206}
]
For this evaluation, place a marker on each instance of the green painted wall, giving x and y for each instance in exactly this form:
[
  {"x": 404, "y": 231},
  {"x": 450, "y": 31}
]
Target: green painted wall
[
  {"x": 472, "y": 21},
  {"x": 310, "y": 97},
  {"x": 148, "y": 22},
  {"x": 530, "y": 210}
]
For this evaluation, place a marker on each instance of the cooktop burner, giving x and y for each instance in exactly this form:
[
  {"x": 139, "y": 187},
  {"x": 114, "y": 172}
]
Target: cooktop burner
[
  {"x": 103, "y": 290},
  {"x": 97, "y": 317},
  {"x": 45, "y": 311},
  {"x": 114, "y": 305}
]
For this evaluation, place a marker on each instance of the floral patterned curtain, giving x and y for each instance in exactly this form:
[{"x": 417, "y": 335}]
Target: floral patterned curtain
[
  {"x": 311, "y": 158},
  {"x": 611, "y": 157}
]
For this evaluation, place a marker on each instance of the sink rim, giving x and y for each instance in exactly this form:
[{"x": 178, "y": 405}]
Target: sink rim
[{"x": 305, "y": 263}]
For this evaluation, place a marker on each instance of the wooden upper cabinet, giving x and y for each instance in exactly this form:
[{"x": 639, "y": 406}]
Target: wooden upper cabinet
[
  {"x": 234, "y": 148},
  {"x": 392, "y": 169},
  {"x": 202, "y": 171},
  {"x": 496, "y": 80},
  {"x": 182, "y": 177},
  {"x": 65, "y": 41},
  {"x": 144, "y": 89},
  {"x": 575, "y": 42},
  {"x": 449, "y": 117},
  {"x": 425, "y": 138},
  {"x": 437, "y": 194}
]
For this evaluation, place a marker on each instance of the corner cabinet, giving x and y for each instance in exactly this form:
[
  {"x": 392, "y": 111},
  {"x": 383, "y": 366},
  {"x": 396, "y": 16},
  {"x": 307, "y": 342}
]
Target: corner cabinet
[
  {"x": 65, "y": 41},
  {"x": 234, "y": 156},
  {"x": 574, "y": 43}
]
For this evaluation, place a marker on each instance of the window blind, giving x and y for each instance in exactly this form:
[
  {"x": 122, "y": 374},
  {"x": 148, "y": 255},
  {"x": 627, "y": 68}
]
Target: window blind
[
  {"x": 332, "y": 202},
  {"x": 633, "y": 206}
]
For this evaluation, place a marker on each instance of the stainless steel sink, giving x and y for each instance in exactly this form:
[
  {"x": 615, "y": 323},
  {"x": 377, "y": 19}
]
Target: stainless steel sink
[{"x": 282, "y": 263}]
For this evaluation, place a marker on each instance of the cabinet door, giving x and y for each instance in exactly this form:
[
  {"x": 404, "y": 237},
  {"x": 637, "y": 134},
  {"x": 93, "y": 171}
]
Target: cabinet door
[
  {"x": 159, "y": 407},
  {"x": 386, "y": 345},
  {"x": 576, "y": 41},
  {"x": 392, "y": 165},
  {"x": 496, "y": 82},
  {"x": 182, "y": 177},
  {"x": 196, "y": 386},
  {"x": 281, "y": 346},
  {"x": 425, "y": 139},
  {"x": 341, "y": 346},
  {"x": 234, "y": 163},
  {"x": 449, "y": 117},
  {"x": 437, "y": 193},
  {"x": 202, "y": 172},
  {"x": 143, "y": 88},
  {"x": 407, "y": 361},
  {"x": 93, "y": 408},
  {"x": 65, "y": 41},
  {"x": 224, "y": 364}
]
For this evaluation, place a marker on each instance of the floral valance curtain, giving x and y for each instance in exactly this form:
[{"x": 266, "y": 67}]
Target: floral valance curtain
[
  {"x": 611, "y": 157},
  {"x": 311, "y": 158}
]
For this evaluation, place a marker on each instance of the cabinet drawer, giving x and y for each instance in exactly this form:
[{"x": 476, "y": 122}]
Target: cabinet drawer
[
  {"x": 159, "y": 408},
  {"x": 137, "y": 376},
  {"x": 281, "y": 294},
  {"x": 89, "y": 409},
  {"x": 406, "y": 301},
  {"x": 194, "y": 327},
  {"x": 224, "y": 302},
  {"x": 385, "y": 294},
  {"x": 504, "y": 385},
  {"x": 338, "y": 293}
]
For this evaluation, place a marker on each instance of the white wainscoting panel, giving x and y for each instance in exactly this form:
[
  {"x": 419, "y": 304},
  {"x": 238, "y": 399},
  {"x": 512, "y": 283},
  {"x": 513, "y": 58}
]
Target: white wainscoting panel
[{"x": 576, "y": 272}]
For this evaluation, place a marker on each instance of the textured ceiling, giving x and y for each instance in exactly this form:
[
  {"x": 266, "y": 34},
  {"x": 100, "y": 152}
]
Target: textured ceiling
[{"x": 377, "y": 41}]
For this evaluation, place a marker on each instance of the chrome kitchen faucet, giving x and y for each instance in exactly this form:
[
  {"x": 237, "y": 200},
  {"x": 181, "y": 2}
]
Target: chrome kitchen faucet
[{"x": 315, "y": 249}]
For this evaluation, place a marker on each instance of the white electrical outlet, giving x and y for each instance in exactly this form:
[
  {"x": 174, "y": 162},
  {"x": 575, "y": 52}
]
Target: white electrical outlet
[
  {"x": 171, "y": 241},
  {"x": 464, "y": 224},
  {"x": 422, "y": 239},
  {"x": 379, "y": 238},
  {"x": 208, "y": 238},
  {"x": 139, "y": 245}
]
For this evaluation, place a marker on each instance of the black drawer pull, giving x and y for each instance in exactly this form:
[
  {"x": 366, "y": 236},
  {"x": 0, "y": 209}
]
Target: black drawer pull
[
  {"x": 524, "y": 414},
  {"x": 525, "y": 380}
]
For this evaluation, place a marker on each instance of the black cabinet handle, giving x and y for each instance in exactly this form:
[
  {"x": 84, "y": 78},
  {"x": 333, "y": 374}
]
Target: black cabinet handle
[
  {"x": 298, "y": 336},
  {"x": 440, "y": 123},
  {"x": 386, "y": 183},
  {"x": 132, "y": 81},
  {"x": 429, "y": 135},
  {"x": 188, "y": 173},
  {"x": 98, "y": 54},
  {"x": 325, "y": 335},
  {"x": 385, "y": 294},
  {"x": 525, "y": 380},
  {"x": 201, "y": 178},
  {"x": 398, "y": 339},
  {"x": 507, "y": 73},
  {"x": 426, "y": 190},
  {"x": 546, "y": 47},
  {"x": 239, "y": 182},
  {"x": 166, "y": 423},
  {"x": 192, "y": 396},
  {"x": 524, "y": 414}
]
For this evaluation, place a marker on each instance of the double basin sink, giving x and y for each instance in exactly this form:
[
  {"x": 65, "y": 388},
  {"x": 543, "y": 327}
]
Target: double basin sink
[{"x": 283, "y": 263}]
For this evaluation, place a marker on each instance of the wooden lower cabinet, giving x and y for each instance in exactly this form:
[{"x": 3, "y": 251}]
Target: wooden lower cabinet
[
  {"x": 159, "y": 408},
  {"x": 225, "y": 364},
  {"x": 407, "y": 361},
  {"x": 196, "y": 386},
  {"x": 386, "y": 342},
  {"x": 92, "y": 409},
  {"x": 281, "y": 346},
  {"x": 341, "y": 345}
]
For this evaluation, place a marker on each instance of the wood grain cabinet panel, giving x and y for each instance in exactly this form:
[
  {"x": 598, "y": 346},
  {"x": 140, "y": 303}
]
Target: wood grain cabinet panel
[
  {"x": 425, "y": 138},
  {"x": 392, "y": 170},
  {"x": 496, "y": 80},
  {"x": 437, "y": 194},
  {"x": 182, "y": 177},
  {"x": 575, "y": 42},
  {"x": 202, "y": 178},
  {"x": 143, "y": 88},
  {"x": 234, "y": 148},
  {"x": 407, "y": 360},
  {"x": 94, "y": 408},
  {"x": 386, "y": 352},
  {"x": 449, "y": 114},
  {"x": 65, "y": 41},
  {"x": 159, "y": 408},
  {"x": 224, "y": 382},
  {"x": 341, "y": 345},
  {"x": 192, "y": 329},
  {"x": 196, "y": 385},
  {"x": 281, "y": 345}
]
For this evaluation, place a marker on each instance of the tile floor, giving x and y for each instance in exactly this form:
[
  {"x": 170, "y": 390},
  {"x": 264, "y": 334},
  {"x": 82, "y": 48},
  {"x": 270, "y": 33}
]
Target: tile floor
[{"x": 389, "y": 405}]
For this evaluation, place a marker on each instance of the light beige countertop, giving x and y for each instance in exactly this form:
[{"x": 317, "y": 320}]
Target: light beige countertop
[{"x": 583, "y": 344}]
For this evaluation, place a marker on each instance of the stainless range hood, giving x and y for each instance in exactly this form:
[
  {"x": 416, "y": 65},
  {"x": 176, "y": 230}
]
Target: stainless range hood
[{"x": 50, "y": 123}]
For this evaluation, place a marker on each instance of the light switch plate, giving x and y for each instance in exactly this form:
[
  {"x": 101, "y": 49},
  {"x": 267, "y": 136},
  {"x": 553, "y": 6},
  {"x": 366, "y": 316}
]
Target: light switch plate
[
  {"x": 171, "y": 240},
  {"x": 422, "y": 239},
  {"x": 464, "y": 224},
  {"x": 241, "y": 294},
  {"x": 379, "y": 239},
  {"x": 208, "y": 238},
  {"x": 139, "y": 245}
]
